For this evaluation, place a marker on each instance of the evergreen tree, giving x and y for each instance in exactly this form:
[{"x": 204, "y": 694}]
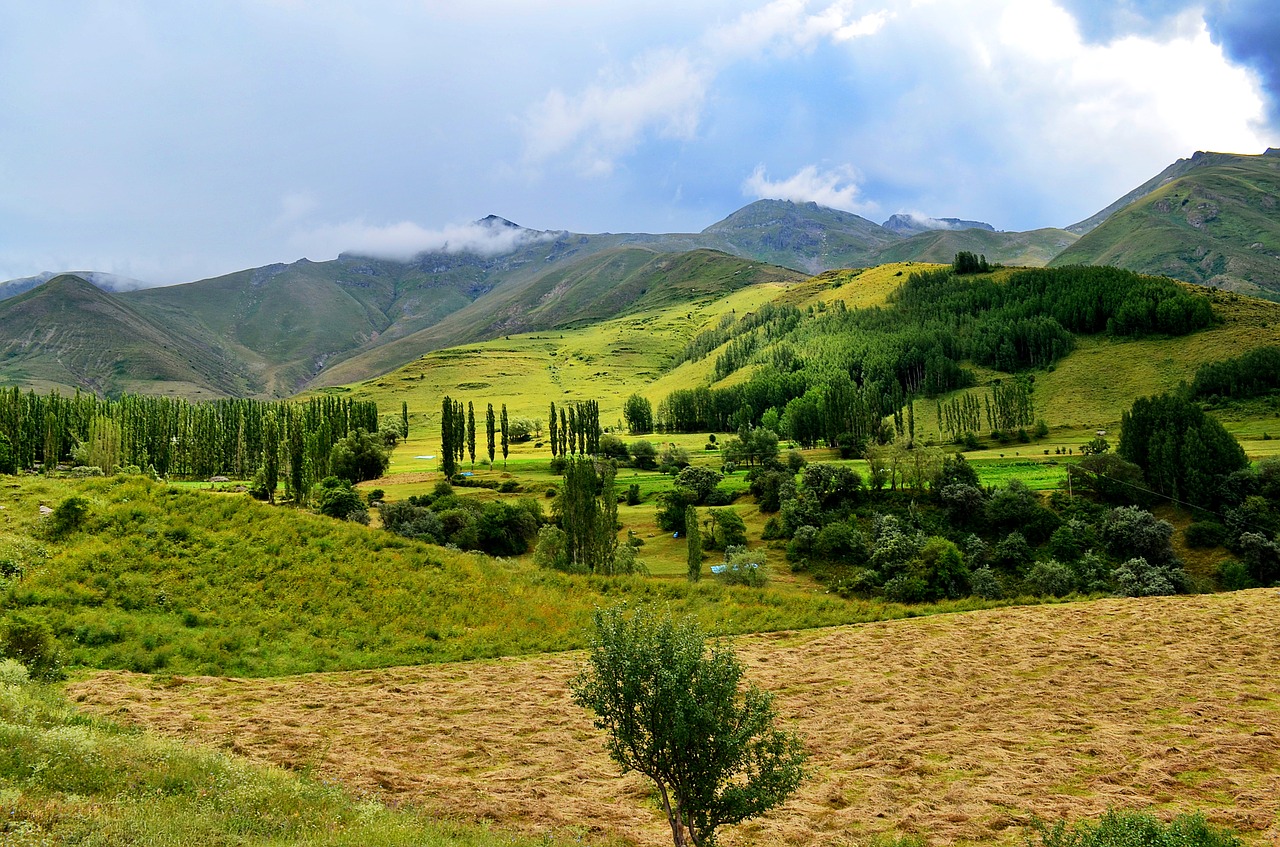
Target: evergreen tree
[
  {"x": 491, "y": 431},
  {"x": 693, "y": 537},
  {"x": 471, "y": 433},
  {"x": 506, "y": 441},
  {"x": 448, "y": 450},
  {"x": 553, "y": 431}
]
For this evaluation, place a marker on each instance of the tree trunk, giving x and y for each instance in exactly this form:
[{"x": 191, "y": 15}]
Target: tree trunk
[{"x": 677, "y": 826}]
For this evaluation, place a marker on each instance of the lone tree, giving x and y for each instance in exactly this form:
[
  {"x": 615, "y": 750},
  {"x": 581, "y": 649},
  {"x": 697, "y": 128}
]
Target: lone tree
[{"x": 675, "y": 712}]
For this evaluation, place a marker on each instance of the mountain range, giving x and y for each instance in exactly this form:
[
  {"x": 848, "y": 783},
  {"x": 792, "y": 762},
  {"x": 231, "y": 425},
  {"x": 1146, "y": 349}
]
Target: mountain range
[{"x": 275, "y": 330}]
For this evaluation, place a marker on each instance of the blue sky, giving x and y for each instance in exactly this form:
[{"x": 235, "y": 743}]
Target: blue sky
[{"x": 172, "y": 141}]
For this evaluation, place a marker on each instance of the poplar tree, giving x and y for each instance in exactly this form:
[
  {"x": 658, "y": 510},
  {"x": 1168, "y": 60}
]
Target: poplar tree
[
  {"x": 448, "y": 452},
  {"x": 506, "y": 441},
  {"x": 471, "y": 433},
  {"x": 693, "y": 535},
  {"x": 491, "y": 431}
]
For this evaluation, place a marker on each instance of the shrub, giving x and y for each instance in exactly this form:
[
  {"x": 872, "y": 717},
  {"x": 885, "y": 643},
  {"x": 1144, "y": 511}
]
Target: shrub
[
  {"x": 337, "y": 499},
  {"x": 1050, "y": 579},
  {"x": 985, "y": 583},
  {"x": 30, "y": 641},
  {"x": 68, "y": 516},
  {"x": 1139, "y": 578},
  {"x": 743, "y": 567},
  {"x": 1205, "y": 534},
  {"x": 1135, "y": 829}
]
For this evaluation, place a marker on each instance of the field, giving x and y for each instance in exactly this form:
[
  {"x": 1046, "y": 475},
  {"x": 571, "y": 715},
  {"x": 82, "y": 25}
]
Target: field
[{"x": 958, "y": 728}]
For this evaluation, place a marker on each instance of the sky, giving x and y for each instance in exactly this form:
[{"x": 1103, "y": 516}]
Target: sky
[{"x": 176, "y": 140}]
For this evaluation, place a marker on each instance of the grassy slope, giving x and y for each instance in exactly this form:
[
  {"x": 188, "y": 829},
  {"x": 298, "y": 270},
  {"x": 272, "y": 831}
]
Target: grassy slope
[
  {"x": 1026, "y": 249},
  {"x": 184, "y": 581},
  {"x": 616, "y": 282},
  {"x": 1216, "y": 225},
  {"x": 67, "y": 333}
]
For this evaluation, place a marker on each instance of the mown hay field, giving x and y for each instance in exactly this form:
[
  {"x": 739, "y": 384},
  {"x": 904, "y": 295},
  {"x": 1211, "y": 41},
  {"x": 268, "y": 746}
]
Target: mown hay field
[{"x": 959, "y": 728}]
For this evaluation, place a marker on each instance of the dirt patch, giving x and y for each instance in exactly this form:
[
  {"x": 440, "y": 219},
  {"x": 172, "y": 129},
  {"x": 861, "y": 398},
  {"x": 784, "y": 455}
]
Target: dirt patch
[{"x": 957, "y": 727}]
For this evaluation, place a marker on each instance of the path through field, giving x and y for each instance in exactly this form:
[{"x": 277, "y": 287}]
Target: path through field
[{"x": 956, "y": 727}]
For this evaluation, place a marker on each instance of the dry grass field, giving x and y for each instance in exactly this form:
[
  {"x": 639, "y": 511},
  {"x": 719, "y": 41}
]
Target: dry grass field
[{"x": 958, "y": 728}]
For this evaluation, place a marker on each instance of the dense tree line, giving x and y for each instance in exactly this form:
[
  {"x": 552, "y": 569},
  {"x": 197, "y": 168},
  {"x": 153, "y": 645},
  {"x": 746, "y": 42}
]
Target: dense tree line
[
  {"x": 576, "y": 431},
  {"x": 1182, "y": 452},
  {"x": 1254, "y": 374},
  {"x": 859, "y": 366},
  {"x": 174, "y": 437}
]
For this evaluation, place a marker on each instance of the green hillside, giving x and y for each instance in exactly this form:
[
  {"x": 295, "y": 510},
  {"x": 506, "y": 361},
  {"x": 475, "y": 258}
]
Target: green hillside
[
  {"x": 597, "y": 288},
  {"x": 1218, "y": 225},
  {"x": 1027, "y": 249},
  {"x": 69, "y": 334},
  {"x": 804, "y": 236}
]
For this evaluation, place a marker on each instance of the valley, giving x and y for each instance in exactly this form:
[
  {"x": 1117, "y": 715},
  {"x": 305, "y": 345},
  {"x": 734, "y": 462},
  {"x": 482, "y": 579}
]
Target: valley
[{"x": 985, "y": 580}]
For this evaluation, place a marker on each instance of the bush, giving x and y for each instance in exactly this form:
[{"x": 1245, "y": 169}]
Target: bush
[
  {"x": 337, "y": 499},
  {"x": 68, "y": 516},
  {"x": 1050, "y": 579},
  {"x": 1139, "y": 578},
  {"x": 1205, "y": 534},
  {"x": 743, "y": 567},
  {"x": 30, "y": 641},
  {"x": 1135, "y": 829}
]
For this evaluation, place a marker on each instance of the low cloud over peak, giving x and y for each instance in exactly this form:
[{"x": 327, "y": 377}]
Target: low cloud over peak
[{"x": 491, "y": 236}]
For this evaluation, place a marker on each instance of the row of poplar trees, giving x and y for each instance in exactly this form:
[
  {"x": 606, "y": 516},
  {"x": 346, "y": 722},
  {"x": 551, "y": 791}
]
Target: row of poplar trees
[
  {"x": 576, "y": 429},
  {"x": 458, "y": 434},
  {"x": 174, "y": 437}
]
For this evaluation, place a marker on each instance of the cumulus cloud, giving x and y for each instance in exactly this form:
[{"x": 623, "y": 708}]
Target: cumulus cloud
[
  {"x": 663, "y": 92},
  {"x": 404, "y": 240},
  {"x": 836, "y": 188}
]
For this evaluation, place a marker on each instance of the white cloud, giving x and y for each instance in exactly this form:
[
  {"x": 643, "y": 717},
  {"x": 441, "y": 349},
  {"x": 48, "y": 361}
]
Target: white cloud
[
  {"x": 405, "y": 240},
  {"x": 836, "y": 188},
  {"x": 664, "y": 91}
]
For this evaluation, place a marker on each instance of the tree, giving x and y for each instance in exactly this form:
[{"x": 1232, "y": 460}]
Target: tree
[
  {"x": 404, "y": 419},
  {"x": 471, "y": 433},
  {"x": 8, "y": 460},
  {"x": 358, "y": 457},
  {"x": 506, "y": 440},
  {"x": 588, "y": 512},
  {"x": 676, "y": 713},
  {"x": 694, "y": 538},
  {"x": 638, "y": 413},
  {"x": 448, "y": 449},
  {"x": 491, "y": 431},
  {"x": 1182, "y": 451}
]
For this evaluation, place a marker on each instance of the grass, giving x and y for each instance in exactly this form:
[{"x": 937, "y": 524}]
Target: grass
[
  {"x": 168, "y": 580},
  {"x": 954, "y": 729},
  {"x": 67, "y": 778}
]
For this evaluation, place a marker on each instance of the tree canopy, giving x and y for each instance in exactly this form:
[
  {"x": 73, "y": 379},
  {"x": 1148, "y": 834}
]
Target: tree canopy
[{"x": 677, "y": 713}]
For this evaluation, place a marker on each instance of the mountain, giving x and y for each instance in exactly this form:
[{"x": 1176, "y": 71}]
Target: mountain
[
  {"x": 105, "y": 281},
  {"x": 1213, "y": 219},
  {"x": 598, "y": 287},
  {"x": 69, "y": 333},
  {"x": 1178, "y": 169},
  {"x": 1031, "y": 249},
  {"x": 909, "y": 224},
  {"x": 276, "y": 330},
  {"x": 804, "y": 236}
]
